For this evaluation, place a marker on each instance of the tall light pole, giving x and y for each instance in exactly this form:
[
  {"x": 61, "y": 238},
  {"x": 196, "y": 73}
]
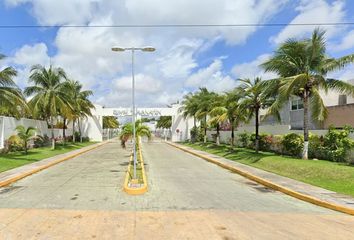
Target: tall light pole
[{"x": 133, "y": 49}]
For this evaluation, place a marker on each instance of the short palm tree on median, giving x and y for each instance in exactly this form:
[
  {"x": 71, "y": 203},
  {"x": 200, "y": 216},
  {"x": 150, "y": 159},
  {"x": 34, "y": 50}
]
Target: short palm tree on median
[{"x": 127, "y": 132}]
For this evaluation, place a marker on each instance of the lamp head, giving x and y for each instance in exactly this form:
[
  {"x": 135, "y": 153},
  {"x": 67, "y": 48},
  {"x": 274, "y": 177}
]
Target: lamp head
[
  {"x": 118, "y": 49},
  {"x": 148, "y": 49}
]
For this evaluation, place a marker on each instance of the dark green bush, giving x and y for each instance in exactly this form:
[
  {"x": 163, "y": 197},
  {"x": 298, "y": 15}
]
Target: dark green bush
[
  {"x": 264, "y": 141},
  {"x": 292, "y": 144},
  {"x": 337, "y": 144},
  {"x": 244, "y": 139}
]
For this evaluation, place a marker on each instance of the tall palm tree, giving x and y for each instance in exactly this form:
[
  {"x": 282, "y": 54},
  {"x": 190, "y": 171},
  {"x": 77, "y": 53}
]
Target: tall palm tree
[
  {"x": 81, "y": 105},
  {"x": 190, "y": 107},
  {"x": 12, "y": 102},
  {"x": 204, "y": 97},
  {"x": 230, "y": 111},
  {"x": 49, "y": 95},
  {"x": 302, "y": 66},
  {"x": 254, "y": 98},
  {"x": 216, "y": 113},
  {"x": 127, "y": 132}
]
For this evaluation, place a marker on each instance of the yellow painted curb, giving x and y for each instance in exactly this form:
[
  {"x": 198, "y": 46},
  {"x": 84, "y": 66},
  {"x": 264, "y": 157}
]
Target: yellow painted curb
[
  {"x": 270, "y": 184},
  {"x": 140, "y": 190},
  {"x": 26, "y": 174}
]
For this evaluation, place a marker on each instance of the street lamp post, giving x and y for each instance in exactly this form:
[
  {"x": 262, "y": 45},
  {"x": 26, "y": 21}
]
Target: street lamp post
[{"x": 133, "y": 49}]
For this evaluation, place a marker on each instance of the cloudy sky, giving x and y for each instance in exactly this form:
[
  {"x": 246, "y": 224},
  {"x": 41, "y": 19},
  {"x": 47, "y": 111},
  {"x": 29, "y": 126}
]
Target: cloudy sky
[{"x": 185, "y": 59}]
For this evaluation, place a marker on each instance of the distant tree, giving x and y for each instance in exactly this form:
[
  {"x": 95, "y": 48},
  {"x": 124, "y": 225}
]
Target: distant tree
[
  {"x": 110, "y": 122},
  {"x": 165, "y": 122}
]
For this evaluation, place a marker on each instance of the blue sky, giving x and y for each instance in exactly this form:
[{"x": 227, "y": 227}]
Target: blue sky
[{"x": 185, "y": 58}]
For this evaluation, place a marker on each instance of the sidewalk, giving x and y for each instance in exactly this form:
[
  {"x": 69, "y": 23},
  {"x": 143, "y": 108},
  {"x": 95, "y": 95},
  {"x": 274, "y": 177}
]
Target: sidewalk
[
  {"x": 318, "y": 194},
  {"x": 18, "y": 173}
]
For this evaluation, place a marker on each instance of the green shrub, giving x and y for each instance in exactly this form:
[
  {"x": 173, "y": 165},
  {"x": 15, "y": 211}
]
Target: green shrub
[
  {"x": 14, "y": 143},
  {"x": 264, "y": 141},
  {"x": 337, "y": 144},
  {"x": 244, "y": 139},
  {"x": 292, "y": 144}
]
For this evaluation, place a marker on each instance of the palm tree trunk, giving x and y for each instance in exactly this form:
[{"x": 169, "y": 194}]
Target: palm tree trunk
[
  {"x": 79, "y": 125},
  {"x": 64, "y": 125},
  {"x": 73, "y": 130},
  {"x": 306, "y": 126},
  {"x": 205, "y": 129},
  {"x": 217, "y": 134},
  {"x": 53, "y": 139},
  {"x": 232, "y": 134},
  {"x": 194, "y": 122},
  {"x": 257, "y": 129},
  {"x": 25, "y": 146}
]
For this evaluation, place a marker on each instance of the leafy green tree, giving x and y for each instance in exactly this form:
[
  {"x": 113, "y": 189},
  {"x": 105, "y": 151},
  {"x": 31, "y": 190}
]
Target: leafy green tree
[
  {"x": 12, "y": 102},
  {"x": 253, "y": 99},
  {"x": 302, "y": 66},
  {"x": 204, "y": 98},
  {"x": 110, "y": 122},
  {"x": 80, "y": 104},
  {"x": 165, "y": 122},
  {"x": 230, "y": 111},
  {"x": 216, "y": 114},
  {"x": 190, "y": 107},
  {"x": 49, "y": 95},
  {"x": 25, "y": 134},
  {"x": 127, "y": 132}
]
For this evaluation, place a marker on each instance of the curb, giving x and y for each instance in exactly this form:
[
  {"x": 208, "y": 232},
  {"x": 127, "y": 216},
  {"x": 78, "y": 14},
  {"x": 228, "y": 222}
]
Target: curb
[
  {"x": 26, "y": 174},
  {"x": 267, "y": 183},
  {"x": 140, "y": 190}
]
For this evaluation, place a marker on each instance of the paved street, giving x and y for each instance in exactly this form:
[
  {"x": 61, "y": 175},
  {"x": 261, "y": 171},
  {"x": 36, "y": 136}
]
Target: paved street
[{"x": 188, "y": 198}]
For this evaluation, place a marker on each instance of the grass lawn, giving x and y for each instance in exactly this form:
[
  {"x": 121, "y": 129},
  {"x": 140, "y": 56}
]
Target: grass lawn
[
  {"x": 17, "y": 159},
  {"x": 333, "y": 176}
]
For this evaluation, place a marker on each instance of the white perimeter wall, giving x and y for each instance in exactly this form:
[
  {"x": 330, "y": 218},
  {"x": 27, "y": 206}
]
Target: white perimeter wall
[{"x": 8, "y": 125}]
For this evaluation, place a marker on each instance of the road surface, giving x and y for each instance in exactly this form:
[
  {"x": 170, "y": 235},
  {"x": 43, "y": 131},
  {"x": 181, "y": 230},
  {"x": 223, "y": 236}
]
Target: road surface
[{"x": 188, "y": 198}]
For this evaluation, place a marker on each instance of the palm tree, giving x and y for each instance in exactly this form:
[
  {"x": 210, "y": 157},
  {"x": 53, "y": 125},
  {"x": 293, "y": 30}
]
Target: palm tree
[
  {"x": 110, "y": 122},
  {"x": 81, "y": 105},
  {"x": 216, "y": 114},
  {"x": 204, "y": 97},
  {"x": 302, "y": 66},
  {"x": 49, "y": 94},
  {"x": 254, "y": 98},
  {"x": 25, "y": 134},
  {"x": 140, "y": 131},
  {"x": 190, "y": 107},
  {"x": 230, "y": 111},
  {"x": 12, "y": 102}
]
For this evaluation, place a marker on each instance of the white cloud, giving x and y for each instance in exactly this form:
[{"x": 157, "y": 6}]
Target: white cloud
[
  {"x": 86, "y": 56},
  {"x": 143, "y": 84},
  {"x": 32, "y": 54},
  {"x": 346, "y": 43},
  {"x": 313, "y": 11},
  {"x": 59, "y": 12},
  {"x": 252, "y": 69},
  {"x": 212, "y": 78}
]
